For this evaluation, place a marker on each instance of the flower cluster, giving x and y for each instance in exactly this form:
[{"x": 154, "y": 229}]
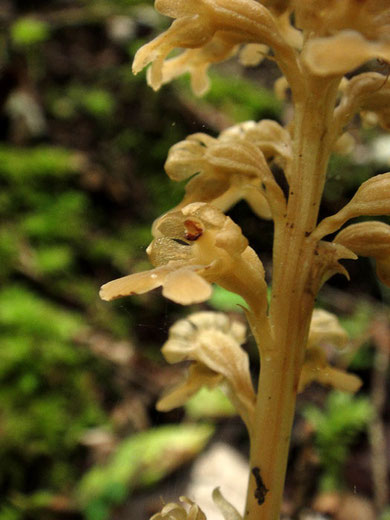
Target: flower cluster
[{"x": 334, "y": 36}]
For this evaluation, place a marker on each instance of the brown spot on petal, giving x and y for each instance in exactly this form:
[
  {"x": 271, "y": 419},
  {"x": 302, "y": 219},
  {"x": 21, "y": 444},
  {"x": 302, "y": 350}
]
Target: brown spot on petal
[{"x": 192, "y": 230}]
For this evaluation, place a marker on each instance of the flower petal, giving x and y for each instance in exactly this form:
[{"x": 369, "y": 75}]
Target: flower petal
[
  {"x": 137, "y": 283},
  {"x": 341, "y": 53},
  {"x": 228, "y": 511},
  {"x": 186, "y": 287},
  {"x": 197, "y": 376},
  {"x": 325, "y": 328}
]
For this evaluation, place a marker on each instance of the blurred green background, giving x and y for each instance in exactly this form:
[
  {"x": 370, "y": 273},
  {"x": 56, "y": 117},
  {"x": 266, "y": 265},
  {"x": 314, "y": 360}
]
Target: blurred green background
[{"x": 82, "y": 148}]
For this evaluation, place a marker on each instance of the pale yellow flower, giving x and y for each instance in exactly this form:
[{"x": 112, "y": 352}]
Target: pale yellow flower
[
  {"x": 194, "y": 247},
  {"x": 344, "y": 34},
  {"x": 233, "y": 166},
  {"x": 371, "y": 199},
  {"x": 212, "y": 31},
  {"x": 325, "y": 330},
  {"x": 213, "y": 343},
  {"x": 188, "y": 511},
  {"x": 369, "y": 239}
]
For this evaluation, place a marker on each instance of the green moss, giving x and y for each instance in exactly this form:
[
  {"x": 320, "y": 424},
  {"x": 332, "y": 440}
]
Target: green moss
[
  {"x": 29, "y": 31},
  {"x": 21, "y": 165},
  {"x": 336, "y": 428}
]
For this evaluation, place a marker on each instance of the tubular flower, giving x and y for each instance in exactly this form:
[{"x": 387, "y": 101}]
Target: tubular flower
[
  {"x": 326, "y": 330},
  {"x": 213, "y": 343},
  {"x": 230, "y": 168},
  {"x": 194, "y": 247},
  {"x": 212, "y": 30},
  {"x": 344, "y": 34},
  {"x": 369, "y": 239}
]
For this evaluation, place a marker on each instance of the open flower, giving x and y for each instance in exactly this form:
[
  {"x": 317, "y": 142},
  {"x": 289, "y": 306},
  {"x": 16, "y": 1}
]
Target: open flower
[
  {"x": 213, "y": 343},
  {"x": 344, "y": 33},
  {"x": 212, "y": 31},
  {"x": 196, "y": 62},
  {"x": 325, "y": 330},
  {"x": 232, "y": 167},
  {"x": 194, "y": 247}
]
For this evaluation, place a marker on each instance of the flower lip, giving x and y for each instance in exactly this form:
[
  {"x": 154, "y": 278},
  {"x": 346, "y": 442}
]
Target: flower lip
[{"x": 192, "y": 230}]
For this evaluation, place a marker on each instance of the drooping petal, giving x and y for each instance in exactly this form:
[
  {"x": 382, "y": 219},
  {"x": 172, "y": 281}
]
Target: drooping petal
[
  {"x": 186, "y": 287},
  {"x": 316, "y": 368},
  {"x": 138, "y": 283},
  {"x": 198, "y": 376},
  {"x": 197, "y": 62}
]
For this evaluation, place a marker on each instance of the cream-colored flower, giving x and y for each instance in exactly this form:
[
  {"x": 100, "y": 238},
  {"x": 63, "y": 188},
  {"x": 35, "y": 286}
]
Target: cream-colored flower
[
  {"x": 212, "y": 31},
  {"x": 369, "y": 239},
  {"x": 191, "y": 511},
  {"x": 213, "y": 343},
  {"x": 195, "y": 61},
  {"x": 326, "y": 330},
  {"x": 194, "y": 247},
  {"x": 232, "y": 167},
  {"x": 344, "y": 34},
  {"x": 367, "y": 93},
  {"x": 173, "y": 511}
]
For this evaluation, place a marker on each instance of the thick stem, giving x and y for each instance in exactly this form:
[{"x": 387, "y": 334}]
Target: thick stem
[{"x": 293, "y": 296}]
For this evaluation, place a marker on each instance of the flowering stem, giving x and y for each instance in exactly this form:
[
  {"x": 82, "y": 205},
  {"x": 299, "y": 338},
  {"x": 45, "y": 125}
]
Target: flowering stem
[{"x": 293, "y": 297}]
